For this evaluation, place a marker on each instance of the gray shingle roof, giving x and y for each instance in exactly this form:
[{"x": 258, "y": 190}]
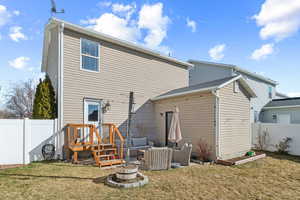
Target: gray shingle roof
[
  {"x": 208, "y": 85},
  {"x": 284, "y": 102}
]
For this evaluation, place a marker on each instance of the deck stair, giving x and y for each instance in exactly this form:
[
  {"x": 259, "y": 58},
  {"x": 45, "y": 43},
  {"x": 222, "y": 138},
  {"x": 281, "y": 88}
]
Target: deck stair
[{"x": 105, "y": 151}]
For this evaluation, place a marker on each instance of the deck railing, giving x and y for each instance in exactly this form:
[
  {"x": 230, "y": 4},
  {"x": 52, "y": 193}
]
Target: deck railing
[{"x": 87, "y": 136}]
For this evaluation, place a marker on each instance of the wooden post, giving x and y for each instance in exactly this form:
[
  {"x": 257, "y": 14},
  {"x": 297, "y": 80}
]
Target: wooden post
[
  {"x": 110, "y": 134},
  {"x": 91, "y": 138},
  {"x": 128, "y": 134},
  {"x": 75, "y": 157}
]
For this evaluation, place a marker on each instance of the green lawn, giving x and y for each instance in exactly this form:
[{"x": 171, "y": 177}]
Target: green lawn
[{"x": 274, "y": 177}]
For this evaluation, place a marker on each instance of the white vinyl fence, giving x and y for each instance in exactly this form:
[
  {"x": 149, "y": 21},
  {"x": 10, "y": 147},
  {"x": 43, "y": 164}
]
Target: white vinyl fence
[
  {"x": 21, "y": 140},
  {"x": 275, "y": 134}
]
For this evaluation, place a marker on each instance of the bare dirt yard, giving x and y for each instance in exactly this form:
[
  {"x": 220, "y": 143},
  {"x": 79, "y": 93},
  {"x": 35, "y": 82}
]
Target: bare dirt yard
[{"x": 274, "y": 177}]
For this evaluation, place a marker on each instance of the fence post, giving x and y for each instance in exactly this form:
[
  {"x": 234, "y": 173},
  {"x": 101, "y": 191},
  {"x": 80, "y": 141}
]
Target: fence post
[{"x": 26, "y": 140}]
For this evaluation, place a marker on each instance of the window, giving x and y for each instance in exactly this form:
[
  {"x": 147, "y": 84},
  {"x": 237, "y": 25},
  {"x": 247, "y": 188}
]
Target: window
[
  {"x": 270, "y": 92},
  {"x": 89, "y": 55},
  {"x": 236, "y": 86},
  {"x": 93, "y": 113}
]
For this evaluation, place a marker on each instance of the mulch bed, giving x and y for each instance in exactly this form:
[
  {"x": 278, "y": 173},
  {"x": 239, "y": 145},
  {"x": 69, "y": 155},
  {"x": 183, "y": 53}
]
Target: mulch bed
[{"x": 237, "y": 160}]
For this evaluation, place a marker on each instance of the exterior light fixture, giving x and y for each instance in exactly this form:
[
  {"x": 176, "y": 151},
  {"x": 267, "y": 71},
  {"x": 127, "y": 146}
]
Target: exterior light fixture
[{"x": 106, "y": 107}]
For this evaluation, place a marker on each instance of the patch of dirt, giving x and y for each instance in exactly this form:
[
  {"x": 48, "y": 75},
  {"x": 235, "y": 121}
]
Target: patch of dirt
[{"x": 10, "y": 166}]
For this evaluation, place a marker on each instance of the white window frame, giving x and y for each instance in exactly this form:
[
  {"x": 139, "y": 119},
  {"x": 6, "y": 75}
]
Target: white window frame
[
  {"x": 81, "y": 54},
  {"x": 270, "y": 94},
  {"x": 236, "y": 88}
]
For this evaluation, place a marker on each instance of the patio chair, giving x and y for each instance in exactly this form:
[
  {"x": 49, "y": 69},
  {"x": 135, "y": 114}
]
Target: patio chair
[
  {"x": 182, "y": 155},
  {"x": 157, "y": 158}
]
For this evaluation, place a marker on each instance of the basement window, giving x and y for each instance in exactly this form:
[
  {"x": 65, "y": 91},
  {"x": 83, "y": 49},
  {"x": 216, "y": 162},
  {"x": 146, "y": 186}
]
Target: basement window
[{"x": 89, "y": 55}]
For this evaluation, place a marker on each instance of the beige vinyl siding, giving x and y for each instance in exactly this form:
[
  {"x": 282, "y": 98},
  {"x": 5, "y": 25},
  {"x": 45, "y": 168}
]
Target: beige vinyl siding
[
  {"x": 197, "y": 115},
  {"x": 121, "y": 71},
  {"x": 235, "y": 138},
  {"x": 52, "y": 65}
]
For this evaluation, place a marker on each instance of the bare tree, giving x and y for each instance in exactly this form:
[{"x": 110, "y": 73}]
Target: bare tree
[
  {"x": 5, "y": 114},
  {"x": 20, "y": 99}
]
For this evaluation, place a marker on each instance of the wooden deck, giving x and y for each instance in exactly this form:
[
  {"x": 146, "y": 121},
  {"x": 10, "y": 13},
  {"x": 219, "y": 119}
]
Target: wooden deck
[{"x": 85, "y": 137}]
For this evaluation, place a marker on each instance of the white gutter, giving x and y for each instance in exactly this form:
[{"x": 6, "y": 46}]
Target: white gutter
[
  {"x": 277, "y": 107},
  {"x": 217, "y": 122},
  {"x": 182, "y": 93},
  {"x": 60, "y": 77}
]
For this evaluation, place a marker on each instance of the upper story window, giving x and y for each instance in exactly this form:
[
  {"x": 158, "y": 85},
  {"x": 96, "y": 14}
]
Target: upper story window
[
  {"x": 89, "y": 55},
  {"x": 270, "y": 91},
  {"x": 236, "y": 86}
]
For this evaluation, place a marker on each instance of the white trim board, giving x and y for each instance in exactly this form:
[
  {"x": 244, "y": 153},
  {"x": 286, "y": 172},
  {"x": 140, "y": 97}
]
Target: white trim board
[
  {"x": 237, "y": 78},
  {"x": 278, "y": 107}
]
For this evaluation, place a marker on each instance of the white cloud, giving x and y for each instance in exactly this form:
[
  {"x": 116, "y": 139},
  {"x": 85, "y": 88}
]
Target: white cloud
[
  {"x": 5, "y": 15},
  {"x": 151, "y": 18},
  {"x": 294, "y": 94},
  {"x": 20, "y": 62},
  {"x": 217, "y": 52},
  {"x": 278, "y": 18},
  {"x": 0, "y": 37},
  {"x": 262, "y": 52},
  {"x": 16, "y": 12},
  {"x": 104, "y": 3},
  {"x": 124, "y": 10},
  {"x": 121, "y": 24},
  {"x": 113, "y": 25},
  {"x": 192, "y": 24},
  {"x": 15, "y": 33}
]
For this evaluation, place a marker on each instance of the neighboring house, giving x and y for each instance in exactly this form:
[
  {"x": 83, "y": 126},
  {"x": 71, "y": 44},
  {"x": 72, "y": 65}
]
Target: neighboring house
[
  {"x": 279, "y": 95},
  {"x": 282, "y": 111},
  {"x": 89, "y": 69},
  {"x": 264, "y": 88},
  {"x": 218, "y": 112}
]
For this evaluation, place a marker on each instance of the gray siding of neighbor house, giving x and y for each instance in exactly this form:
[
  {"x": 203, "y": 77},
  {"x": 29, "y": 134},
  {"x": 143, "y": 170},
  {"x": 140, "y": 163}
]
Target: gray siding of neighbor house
[
  {"x": 261, "y": 90},
  {"x": 196, "y": 114},
  {"x": 266, "y": 116},
  {"x": 121, "y": 70},
  {"x": 201, "y": 73},
  {"x": 235, "y": 135},
  {"x": 206, "y": 72}
]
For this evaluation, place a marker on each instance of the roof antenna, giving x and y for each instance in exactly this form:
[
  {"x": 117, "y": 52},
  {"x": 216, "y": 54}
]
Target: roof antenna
[{"x": 53, "y": 9}]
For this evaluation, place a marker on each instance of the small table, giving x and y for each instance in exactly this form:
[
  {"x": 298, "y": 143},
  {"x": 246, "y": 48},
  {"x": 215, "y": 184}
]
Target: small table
[{"x": 140, "y": 154}]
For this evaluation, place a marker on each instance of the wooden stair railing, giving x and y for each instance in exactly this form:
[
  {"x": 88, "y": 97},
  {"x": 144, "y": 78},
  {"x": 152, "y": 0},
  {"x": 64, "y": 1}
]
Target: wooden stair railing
[{"x": 103, "y": 153}]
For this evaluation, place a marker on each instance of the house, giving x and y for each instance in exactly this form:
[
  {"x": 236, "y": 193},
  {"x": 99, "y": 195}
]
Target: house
[
  {"x": 282, "y": 111},
  {"x": 92, "y": 72},
  {"x": 264, "y": 88},
  {"x": 217, "y": 112},
  {"x": 279, "y": 95},
  {"x": 89, "y": 70}
]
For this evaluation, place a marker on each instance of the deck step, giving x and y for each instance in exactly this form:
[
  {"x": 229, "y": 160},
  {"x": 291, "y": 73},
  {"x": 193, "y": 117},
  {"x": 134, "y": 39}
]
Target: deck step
[
  {"x": 105, "y": 144},
  {"x": 108, "y": 149},
  {"x": 111, "y": 162},
  {"x": 107, "y": 155}
]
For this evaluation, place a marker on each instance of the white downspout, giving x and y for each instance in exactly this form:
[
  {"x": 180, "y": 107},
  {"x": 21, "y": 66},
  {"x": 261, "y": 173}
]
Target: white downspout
[
  {"x": 60, "y": 82},
  {"x": 217, "y": 122}
]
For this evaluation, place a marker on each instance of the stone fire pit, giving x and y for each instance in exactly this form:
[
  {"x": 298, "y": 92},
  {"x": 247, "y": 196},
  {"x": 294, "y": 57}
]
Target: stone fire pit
[{"x": 127, "y": 177}]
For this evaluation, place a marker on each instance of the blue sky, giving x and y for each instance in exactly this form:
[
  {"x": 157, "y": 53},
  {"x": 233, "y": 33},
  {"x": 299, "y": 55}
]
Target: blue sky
[{"x": 261, "y": 36}]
